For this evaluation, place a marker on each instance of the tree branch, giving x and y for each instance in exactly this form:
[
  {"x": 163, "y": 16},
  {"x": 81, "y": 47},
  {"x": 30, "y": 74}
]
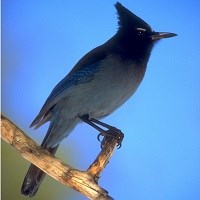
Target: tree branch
[{"x": 85, "y": 182}]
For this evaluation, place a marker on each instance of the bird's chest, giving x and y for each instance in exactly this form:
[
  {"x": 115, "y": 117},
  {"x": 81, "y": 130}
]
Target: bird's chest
[{"x": 115, "y": 83}]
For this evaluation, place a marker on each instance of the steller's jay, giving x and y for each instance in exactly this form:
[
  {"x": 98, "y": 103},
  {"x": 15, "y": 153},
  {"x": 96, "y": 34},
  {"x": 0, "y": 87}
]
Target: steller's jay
[{"x": 99, "y": 83}]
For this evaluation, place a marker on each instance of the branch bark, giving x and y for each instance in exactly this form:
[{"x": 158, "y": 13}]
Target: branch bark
[{"x": 85, "y": 182}]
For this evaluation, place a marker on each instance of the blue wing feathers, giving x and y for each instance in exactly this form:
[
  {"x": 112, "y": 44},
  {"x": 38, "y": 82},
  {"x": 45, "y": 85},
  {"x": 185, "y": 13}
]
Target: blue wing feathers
[{"x": 78, "y": 75}]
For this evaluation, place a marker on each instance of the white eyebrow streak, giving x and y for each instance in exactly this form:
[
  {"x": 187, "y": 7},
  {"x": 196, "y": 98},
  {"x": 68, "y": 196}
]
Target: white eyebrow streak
[{"x": 141, "y": 29}]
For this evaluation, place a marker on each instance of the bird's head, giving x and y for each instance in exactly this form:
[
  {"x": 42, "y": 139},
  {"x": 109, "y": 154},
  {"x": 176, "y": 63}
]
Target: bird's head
[{"x": 136, "y": 35}]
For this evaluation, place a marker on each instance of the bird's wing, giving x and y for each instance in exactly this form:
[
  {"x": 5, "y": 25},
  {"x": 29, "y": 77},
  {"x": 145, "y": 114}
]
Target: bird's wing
[{"x": 82, "y": 72}]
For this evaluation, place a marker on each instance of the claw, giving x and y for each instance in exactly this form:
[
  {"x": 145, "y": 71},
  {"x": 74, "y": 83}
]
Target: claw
[
  {"x": 119, "y": 145},
  {"x": 109, "y": 135},
  {"x": 98, "y": 137},
  {"x": 103, "y": 141},
  {"x": 119, "y": 139}
]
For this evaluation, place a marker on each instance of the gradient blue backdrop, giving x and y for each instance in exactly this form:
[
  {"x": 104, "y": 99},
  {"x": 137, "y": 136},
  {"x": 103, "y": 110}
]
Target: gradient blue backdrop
[{"x": 160, "y": 156}]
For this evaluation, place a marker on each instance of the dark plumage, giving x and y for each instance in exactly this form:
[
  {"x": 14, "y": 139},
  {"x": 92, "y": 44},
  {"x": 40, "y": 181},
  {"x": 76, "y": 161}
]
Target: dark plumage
[{"x": 99, "y": 83}]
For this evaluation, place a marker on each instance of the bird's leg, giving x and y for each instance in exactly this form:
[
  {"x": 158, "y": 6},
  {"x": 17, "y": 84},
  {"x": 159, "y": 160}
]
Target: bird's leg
[
  {"x": 86, "y": 119},
  {"x": 102, "y": 124},
  {"x": 109, "y": 134}
]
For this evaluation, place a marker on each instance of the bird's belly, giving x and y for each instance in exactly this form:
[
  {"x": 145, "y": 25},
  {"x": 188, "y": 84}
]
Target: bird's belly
[{"x": 108, "y": 98}]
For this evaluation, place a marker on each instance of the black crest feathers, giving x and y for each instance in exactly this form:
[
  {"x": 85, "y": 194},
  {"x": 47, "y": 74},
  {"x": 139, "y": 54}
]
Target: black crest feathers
[{"x": 126, "y": 19}]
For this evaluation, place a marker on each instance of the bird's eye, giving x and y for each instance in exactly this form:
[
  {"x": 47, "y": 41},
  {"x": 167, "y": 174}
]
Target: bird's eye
[{"x": 141, "y": 31}]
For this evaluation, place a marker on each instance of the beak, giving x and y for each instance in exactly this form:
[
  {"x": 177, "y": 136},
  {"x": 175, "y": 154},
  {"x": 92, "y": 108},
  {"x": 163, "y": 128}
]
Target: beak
[{"x": 160, "y": 35}]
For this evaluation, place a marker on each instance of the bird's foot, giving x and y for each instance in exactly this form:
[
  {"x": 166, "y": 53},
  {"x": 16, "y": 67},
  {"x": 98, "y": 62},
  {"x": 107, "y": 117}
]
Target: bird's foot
[{"x": 109, "y": 135}]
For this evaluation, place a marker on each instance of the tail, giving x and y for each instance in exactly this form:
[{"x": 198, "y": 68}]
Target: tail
[
  {"x": 55, "y": 134},
  {"x": 34, "y": 177}
]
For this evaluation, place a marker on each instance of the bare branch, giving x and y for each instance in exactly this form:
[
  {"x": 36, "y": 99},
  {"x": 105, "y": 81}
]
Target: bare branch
[{"x": 85, "y": 182}]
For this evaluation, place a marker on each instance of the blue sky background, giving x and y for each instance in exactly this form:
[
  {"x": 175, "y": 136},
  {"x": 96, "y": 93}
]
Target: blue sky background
[{"x": 160, "y": 156}]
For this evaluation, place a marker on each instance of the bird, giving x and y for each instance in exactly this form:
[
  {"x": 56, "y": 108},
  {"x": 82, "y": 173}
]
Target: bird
[{"x": 101, "y": 81}]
